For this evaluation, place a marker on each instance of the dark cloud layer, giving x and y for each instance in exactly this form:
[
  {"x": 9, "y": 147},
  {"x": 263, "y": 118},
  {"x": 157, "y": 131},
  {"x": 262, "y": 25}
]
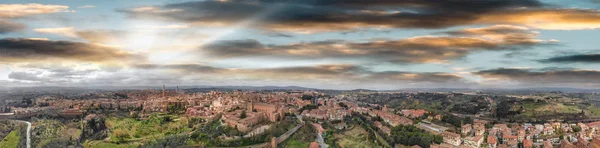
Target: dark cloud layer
[
  {"x": 332, "y": 13},
  {"x": 582, "y": 58},
  {"x": 421, "y": 49},
  {"x": 17, "y": 50},
  {"x": 190, "y": 68},
  {"x": 543, "y": 76},
  {"x": 317, "y": 15},
  {"x": 333, "y": 72},
  {"x": 25, "y": 76},
  {"x": 7, "y": 26},
  {"x": 430, "y": 77}
]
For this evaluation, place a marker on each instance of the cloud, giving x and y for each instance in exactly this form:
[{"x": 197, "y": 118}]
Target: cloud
[
  {"x": 21, "y": 50},
  {"x": 322, "y": 76},
  {"x": 421, "y": 49},
  {"x": 164, "y": 27},
  {"x": 312, "y": 16},
  {"x": 549, "y": 19},
  {"x": 580, "y": 58},
  {"x": 429, "y": 77},
  {"x": 23, "y": 10},
  {"x": 507, "y": 33},
  {"x": 25, "y": 76},
  {"x": 546, "y": 77},
  {"x": 94, "y": 36},
  {"x": 188, "y": 68},
  {"x": 346, "y": 73},
  {"x": 101, "y": 36},
  {"x": 86, "y": 6},
  {"x": 155, "y": 38},
  {"x": 7, "y": 26},
  {"x": 66, "y": 31},
  {"x": 10, "y": 12}
]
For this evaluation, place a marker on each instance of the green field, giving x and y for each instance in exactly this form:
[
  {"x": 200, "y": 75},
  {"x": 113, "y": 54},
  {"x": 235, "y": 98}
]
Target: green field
[
  {"x": 355, "y": 138},
  {"x": 302, "y": 138},
  {"x": 559, "y": 107},
  {"x": 593, "y": 111},
  {"x": 297, "y": 144},
  {"x": 532, "y": 109},
  {"x": 102, "y": 144},
  {"x": 130, "y": 132},
  {"x": 11, "y": 140}
]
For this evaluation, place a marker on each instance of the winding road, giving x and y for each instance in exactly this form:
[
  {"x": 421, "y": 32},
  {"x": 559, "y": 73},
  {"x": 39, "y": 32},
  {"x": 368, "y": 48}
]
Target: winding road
[
  {"x": 321, "y": 141},
  {"x": 28, "y": 135}
]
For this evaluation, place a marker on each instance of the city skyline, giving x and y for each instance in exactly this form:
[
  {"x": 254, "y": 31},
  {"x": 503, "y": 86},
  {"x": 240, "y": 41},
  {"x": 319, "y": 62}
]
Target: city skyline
[{"x": 325, "y": 44}]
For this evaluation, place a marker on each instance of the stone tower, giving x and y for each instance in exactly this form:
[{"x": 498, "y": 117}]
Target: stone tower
[{"x": 163, "y": 91}]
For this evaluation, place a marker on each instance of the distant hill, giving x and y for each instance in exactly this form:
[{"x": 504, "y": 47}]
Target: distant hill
[
  {"x": 516, "y": 90},
  {"x": 299, "y": 88}
]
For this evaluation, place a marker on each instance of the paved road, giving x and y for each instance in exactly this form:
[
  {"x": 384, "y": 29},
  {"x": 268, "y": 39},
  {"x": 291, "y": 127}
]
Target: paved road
[
  {"x": 28, "y": 135},
  {"x": 321, "y": 141}
]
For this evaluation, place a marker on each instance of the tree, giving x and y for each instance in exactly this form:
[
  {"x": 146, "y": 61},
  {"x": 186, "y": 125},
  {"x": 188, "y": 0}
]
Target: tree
[
  {"x": 576, "y": 128},
  {"x": 503, "y": 109},
  {"x": 411, "y": 135},
  {"x": 243, "y": 114}
]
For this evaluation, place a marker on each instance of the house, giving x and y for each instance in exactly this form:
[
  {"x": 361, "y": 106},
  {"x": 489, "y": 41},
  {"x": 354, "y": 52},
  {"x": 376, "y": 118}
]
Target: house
[
  {"x": 547, "y": 144},
  {"x": 410, "y": 113},
  {"x": 554, "y": 139},
  {"x": 521, "y": 135},
  {"x": 452, "y": 138},
  {"x": 473, "y": 141},
  {"x": 512, "y": 144},
  {"x": 492, "y": 141},
  {"x": 479, "y": 129},
  {"x": 583, "y": 126},
  {"x": 466, "y": 129},
  {"x": 539, "y": 127},
  {"x": 506, "y": 138},
  {"x": 500, "y": 126},
  {"x": 383, "y": 128},
  {"x": 566, "y": 144},
  {"x": 581, "y": 143},
  {"x": 556, "y": 125},
  {"x": 536, "y": 133},
  {"x": 596, "y": 141},
  {"x": 527, "y": 144},
  {"x": 493, "y": 132},
  {"x": 548, "y": 131}
]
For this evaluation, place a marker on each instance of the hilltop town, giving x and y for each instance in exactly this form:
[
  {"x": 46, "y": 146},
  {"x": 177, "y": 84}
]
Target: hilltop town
[{"x": 305, "y": 118}]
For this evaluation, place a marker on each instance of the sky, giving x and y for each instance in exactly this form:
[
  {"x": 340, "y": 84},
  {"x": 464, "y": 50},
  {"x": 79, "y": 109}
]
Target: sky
[{"x": 330, "y": 44}]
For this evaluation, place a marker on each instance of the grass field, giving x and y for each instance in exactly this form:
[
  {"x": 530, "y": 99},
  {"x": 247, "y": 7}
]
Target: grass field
[
  {"x": 297, "y": 144},
  {"x": 129, "y": 132},
  {"x": 102, "y": 144},
  {"x": 532, "y": 109},
  {"x": 354, "y": 138},
  {"x": 593, "y": 111},
  {"x": 11, "y": 140},
  {"x": 558, "y": 107}
]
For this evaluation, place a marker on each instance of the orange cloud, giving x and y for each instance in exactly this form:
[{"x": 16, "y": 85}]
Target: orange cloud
[
  {"x": 550, "y": 19},
  {"x": 22, "y": 10}
]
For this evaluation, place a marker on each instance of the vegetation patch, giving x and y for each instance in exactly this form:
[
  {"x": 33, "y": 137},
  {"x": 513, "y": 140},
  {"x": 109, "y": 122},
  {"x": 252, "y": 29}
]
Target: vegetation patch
[
  {"x": 11, "y": 140},
  {"x": 357, "y": 137}
]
